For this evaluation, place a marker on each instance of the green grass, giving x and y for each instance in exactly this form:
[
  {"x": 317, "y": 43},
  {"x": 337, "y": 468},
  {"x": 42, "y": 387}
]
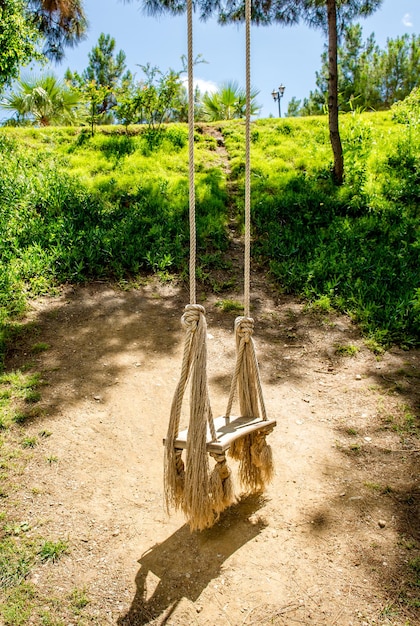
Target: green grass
[
  {"x": 230, "y": 306},
  {"x": 75, "y": 207},
  {"x": 354, "y": 248},
  {"x": 19, "y": 394},
  {"x": 52, "y": 551},
  {"x": 346, "y": 350},
  {"x": 16, "y": 561}
]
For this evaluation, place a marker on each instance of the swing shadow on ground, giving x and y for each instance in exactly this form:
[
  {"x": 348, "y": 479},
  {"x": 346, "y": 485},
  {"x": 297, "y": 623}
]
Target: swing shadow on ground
[{"x": 185, "y": 563}]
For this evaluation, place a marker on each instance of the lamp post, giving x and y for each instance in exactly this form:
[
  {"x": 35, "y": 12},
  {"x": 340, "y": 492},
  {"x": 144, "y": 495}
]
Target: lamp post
[{"x": 278, "y": 95}]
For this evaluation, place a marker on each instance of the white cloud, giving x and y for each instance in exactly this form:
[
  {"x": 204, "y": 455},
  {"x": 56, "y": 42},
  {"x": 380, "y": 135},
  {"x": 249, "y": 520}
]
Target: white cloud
[
  {"x": 203, "y": 85},
  {"x": 407, "y": 20}
]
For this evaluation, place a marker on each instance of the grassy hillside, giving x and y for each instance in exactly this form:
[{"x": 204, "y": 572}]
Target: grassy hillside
[
  {"x": 75, "y": 207},
  {"x": 354, "y": 247}
]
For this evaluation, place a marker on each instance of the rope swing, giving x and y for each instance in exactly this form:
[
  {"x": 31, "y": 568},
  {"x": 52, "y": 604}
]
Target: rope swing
[
  {"x": 202, "y": 494},
  {"x": 253, "y": 453}
]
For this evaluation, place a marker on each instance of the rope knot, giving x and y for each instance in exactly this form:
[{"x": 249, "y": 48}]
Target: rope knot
[
  {"x": 244, "y": 327},
  {"x": 192, "y": 315}
]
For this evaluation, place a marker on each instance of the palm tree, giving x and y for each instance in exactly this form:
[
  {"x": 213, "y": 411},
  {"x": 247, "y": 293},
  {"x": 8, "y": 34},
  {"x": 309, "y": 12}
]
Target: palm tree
[
  {"x": 228, "y": 103},
  {"x": 42, "y": 100}
]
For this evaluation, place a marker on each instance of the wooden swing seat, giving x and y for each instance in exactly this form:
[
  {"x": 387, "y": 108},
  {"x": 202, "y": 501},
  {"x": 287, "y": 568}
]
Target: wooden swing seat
[{"x": 227, "y": 431}]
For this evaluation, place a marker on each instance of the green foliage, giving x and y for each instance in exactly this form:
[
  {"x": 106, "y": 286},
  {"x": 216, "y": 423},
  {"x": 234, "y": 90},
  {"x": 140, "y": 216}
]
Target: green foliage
[
  {"x": 346, "y": 350},
  {"x": 21, "y": 602},
  {"x": 15, "y": 562},
  {"x": 356, "y": 247},
  {"x": 17, "y": 609},
  {"x": 407, "y": 111},
  {"x": 18, "y": 40},
  {"x": 230, "y": 306},
  {"x": 93, "y": 96},
  {"x": 41, "y": 100},
  {"x": 102, "y": 80},
  {"x": 75, "y": 207},
  {"x": 52, "y": 550},
  {"x": 61, "y": 24},
  {"x": 369, "y": 77},
  {"x": 79, "y": 600},
  {"x": 155, "y": 97},
  {"x": 228, "y": 103}
]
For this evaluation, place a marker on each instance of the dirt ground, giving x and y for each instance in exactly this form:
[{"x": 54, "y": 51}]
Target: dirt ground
[{"x": 331, "y": 540}]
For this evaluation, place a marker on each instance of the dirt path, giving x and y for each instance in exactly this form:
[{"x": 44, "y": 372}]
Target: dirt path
[{"x": 332, "y": 539}]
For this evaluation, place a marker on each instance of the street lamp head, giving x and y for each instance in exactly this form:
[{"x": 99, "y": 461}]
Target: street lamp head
[{"x": 278, "y": 95}]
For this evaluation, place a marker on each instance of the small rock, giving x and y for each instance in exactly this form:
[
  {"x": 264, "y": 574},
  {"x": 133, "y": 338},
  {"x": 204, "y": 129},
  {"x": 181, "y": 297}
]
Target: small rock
[
  {"x": 381, "y": 523},
  {"x": 358, "y": 377},
  {"x": 367, "y": 439},
  {"x": 97, "y": 398}
]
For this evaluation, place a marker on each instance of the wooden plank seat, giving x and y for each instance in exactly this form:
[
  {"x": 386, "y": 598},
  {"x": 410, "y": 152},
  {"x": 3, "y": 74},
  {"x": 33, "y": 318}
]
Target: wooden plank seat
[{"x": 227, "y": 431}]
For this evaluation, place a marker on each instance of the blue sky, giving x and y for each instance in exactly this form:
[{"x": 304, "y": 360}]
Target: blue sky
[{"x": 288, "y": 55}]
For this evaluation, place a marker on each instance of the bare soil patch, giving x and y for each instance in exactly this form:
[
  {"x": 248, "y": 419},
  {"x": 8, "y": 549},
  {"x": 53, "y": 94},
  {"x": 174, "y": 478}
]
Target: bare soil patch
[{"x": 332, "y": 539}]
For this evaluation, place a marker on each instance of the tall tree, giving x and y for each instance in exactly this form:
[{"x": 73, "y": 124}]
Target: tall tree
[
  {"x": 18, "y": 39},
  {"x": 106, "y": 70},
  {"x": 62, "y": 23},
  {"x": 399, "y": 68},
  {"x": 35, "y": 29},
  {"x": 337, "y": 148},
  {"x": 368, "y": 77},
  {"x": 329, "y": 15}
]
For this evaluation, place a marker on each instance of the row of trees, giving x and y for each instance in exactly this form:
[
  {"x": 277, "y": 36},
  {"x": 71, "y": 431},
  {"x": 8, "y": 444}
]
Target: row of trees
[
  {"x": 368, "y": 77},
  {"x": 106, "y": 92},
  {"x": 329, "y": 15}
]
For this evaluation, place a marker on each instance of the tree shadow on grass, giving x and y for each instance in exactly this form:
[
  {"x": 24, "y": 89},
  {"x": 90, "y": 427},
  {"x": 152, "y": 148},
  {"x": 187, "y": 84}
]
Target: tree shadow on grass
[{"x": 185, "y": 563}]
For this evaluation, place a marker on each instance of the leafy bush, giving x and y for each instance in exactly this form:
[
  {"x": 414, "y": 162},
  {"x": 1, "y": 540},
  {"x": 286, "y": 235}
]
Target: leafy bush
[
  {"x": 407, "y": 111},
  {"x": 357, "y": 246},
  {"x": 75, "y": 207}
]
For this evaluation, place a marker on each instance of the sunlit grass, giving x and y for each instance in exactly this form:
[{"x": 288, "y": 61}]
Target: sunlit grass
[{"x": 114, "y": 205}]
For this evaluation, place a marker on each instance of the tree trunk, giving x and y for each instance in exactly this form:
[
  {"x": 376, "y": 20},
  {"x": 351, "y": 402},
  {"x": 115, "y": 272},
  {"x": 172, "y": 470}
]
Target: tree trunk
[{"x": 338, "y": 170}]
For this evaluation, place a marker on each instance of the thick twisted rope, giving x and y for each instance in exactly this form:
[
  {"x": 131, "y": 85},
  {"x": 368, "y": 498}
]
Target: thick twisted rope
[
  {"x": 256, "y": 467},
  {"x": 193, "y": 243},
  {"x": 201, "y": 495},
  {"x": 246, "y": 367},
  {"x": 247, "y": 268}
]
